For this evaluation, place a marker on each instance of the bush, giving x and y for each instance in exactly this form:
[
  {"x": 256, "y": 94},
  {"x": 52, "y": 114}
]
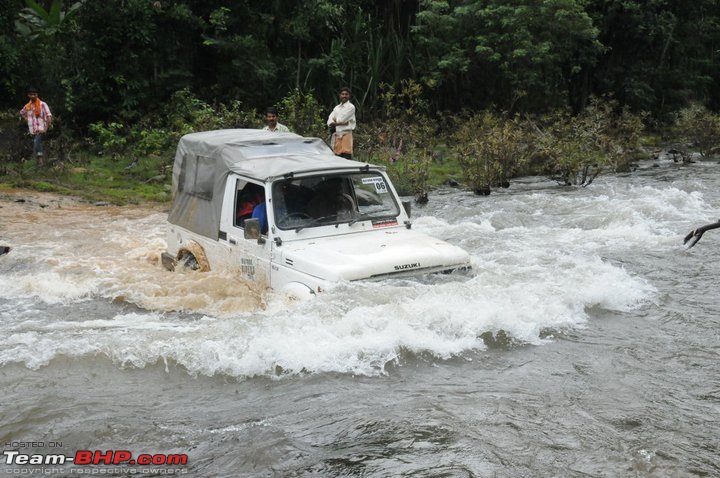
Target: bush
[
  {"x": 490, "y": 148},
  {"x": 158, "y": 134},
  {"x": 618, "y": 131},
  {"x": 111, "y": 137},
  {"x": 577, "y": 148},
  {"x": 698, "y": 128},
  {"x": 569, "y": 146}
]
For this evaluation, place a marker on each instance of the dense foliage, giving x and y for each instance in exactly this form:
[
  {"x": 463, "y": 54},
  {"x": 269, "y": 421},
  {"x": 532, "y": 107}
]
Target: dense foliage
[
  {"x": 126, "y": 58},
  {"x": 128, "y": 77}
]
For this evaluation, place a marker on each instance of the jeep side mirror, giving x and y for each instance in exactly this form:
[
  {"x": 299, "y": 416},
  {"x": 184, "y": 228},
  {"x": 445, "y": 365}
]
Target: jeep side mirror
[{"x": 252, "y": 228}]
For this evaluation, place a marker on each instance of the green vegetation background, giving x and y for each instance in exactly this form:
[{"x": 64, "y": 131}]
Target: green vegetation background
[{"x": 473, "y": 91}]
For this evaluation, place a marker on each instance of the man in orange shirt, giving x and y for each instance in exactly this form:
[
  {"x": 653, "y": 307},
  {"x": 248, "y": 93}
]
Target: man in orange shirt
[{"x": 39, "y": 120}]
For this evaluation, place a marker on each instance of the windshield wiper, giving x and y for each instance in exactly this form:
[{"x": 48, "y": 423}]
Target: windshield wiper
[
  {"x": 313, "y": 222},
  {"x": 360, "y": 217}
]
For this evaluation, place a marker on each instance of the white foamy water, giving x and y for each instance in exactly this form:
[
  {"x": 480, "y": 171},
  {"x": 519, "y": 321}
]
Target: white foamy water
[{"x": 538, "y": 266}]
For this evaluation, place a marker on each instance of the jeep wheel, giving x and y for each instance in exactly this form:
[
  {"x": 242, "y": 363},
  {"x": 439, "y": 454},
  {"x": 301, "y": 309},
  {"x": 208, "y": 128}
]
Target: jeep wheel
[{"x": 189, "y": 262}]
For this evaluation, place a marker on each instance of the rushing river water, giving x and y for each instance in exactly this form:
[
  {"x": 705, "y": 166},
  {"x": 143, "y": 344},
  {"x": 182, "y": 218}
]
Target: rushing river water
[{"x": 583, "y": 343}]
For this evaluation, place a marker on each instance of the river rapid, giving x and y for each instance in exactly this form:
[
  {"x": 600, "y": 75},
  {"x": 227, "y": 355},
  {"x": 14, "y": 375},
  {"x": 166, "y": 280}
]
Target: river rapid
[{"x": 583, "y": 343}]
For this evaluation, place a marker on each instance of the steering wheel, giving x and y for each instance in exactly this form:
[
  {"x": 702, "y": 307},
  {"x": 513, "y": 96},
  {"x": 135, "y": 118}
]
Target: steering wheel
[{"x": 348, "y": 203}]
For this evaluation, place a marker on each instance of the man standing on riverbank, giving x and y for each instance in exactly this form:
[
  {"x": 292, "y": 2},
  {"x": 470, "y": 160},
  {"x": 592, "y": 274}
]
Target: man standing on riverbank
[
  {"x": 342, "y": 121},
  {"x": 271, "y": 118},
  {"x": 39, "y": 120}
]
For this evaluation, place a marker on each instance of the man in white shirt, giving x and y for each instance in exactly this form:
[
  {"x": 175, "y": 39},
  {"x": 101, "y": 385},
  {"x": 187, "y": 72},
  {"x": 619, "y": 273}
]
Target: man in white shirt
[
  {"x": 271, "y": 118},
  {"x": 342, "y": 123}
]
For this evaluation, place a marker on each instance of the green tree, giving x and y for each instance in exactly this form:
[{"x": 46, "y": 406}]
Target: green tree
[
  {"x": 44, "y": 33},
  {"x": 275, "y": 48},
  {"x": 660, "y": 53},
  {"x": 129, "y": 56},
  {"x": 497, "y": 51},
  {"x": 11, "y": 69},
  {"x": 122, "y": 60},
  {"x": 35, "y": 21}
]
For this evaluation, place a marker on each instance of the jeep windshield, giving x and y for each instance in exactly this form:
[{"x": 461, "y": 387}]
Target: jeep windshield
[{"x": 312, "y": 201}]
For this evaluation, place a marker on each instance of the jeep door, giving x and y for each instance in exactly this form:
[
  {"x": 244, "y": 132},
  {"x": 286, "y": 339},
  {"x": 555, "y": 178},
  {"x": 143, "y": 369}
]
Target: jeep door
[{"x": 245, "y": 199}]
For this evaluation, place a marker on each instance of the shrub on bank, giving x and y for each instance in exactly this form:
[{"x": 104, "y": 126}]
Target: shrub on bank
[
  {"x": 576, "y": 149},
  {"x": 491, "y": 148},
  {"x": 697, "y": 129}
]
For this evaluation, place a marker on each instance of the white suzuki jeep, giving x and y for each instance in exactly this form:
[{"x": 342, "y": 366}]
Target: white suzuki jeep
[{"x": 283, "y": 209}]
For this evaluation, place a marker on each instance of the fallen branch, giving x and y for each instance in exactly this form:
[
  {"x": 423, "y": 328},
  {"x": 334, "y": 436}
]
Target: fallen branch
[{"x": 696, "y": 234}]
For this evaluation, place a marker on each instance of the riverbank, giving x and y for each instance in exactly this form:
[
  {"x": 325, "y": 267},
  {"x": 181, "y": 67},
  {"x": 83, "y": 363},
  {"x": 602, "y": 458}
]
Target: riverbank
[
  {"x": 132, "y": 181},
  {"x": 113, "y": 180}
]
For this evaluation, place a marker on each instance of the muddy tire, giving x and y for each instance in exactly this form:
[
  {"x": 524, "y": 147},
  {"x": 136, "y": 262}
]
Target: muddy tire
[{"x": 189, "y": 262}]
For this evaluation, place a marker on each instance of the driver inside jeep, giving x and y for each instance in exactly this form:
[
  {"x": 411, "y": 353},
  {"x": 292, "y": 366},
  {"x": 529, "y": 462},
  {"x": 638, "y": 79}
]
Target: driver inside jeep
[{"x": 331, "y": 202}]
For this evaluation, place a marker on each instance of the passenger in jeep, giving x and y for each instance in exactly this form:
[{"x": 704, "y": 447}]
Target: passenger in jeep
[
  {"x": 260, "y": 213},
  {"x": 248, "y": 198}
]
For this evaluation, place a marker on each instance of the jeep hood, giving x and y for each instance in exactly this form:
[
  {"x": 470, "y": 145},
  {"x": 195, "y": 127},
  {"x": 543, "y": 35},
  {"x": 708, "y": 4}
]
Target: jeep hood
[{"x": 371, "y": 255}]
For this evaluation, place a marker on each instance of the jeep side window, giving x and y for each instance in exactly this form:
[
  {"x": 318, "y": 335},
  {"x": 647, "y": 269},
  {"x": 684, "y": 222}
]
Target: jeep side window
[
  {"x": 197, "y": 177},
  {"x": 250, "y": 203}
]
